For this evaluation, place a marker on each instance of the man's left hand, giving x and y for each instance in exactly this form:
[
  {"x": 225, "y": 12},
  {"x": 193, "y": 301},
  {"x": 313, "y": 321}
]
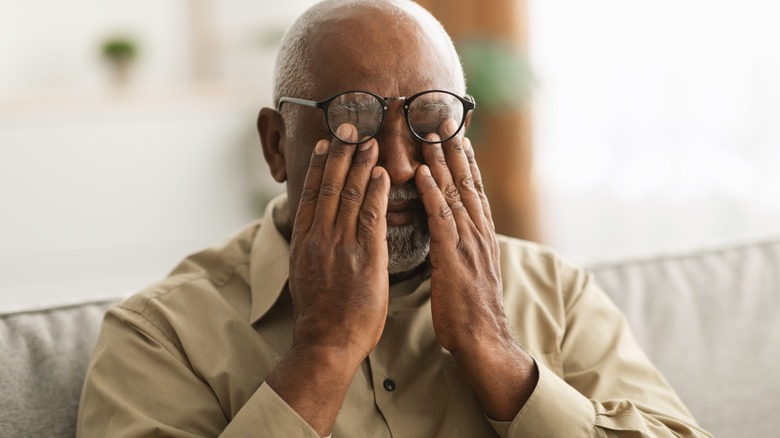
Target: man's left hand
[{"x": 466, "y": 289}]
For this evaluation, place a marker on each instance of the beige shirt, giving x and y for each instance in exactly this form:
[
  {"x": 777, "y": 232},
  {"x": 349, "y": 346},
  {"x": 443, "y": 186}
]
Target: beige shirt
[{"x": 189, "y": 356}]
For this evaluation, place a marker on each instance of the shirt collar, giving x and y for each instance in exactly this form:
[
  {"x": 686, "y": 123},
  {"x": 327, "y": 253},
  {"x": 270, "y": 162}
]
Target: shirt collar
[{"x": 269, "y": 262}]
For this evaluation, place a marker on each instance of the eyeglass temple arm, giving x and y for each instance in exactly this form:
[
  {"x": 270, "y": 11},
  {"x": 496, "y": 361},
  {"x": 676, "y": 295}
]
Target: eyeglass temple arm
[
  {"x": 471, "y": 100},
  {"x": 311, "y": 103}
]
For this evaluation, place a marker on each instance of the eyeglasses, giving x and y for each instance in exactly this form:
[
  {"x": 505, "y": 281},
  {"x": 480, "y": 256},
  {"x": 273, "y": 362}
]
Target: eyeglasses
[{"x": 425, "y": 112}]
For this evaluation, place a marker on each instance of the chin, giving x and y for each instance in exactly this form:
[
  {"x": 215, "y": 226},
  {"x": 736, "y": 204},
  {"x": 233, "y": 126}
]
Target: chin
[{"x": 407, "y": 247}]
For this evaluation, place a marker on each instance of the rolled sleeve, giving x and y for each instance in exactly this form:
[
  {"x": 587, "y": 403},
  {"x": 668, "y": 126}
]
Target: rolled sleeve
[
  {"x": 268, "y": 414},
  {"x": 554, "y": 409}
]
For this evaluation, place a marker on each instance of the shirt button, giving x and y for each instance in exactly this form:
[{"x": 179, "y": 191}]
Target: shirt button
[{"x": 389, "y": 384}]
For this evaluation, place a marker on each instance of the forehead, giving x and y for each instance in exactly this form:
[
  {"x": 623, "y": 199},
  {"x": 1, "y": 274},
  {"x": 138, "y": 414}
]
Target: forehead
[{"x": 386, "y": 52}]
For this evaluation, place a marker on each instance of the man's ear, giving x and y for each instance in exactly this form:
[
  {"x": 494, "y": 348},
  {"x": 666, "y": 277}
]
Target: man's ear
[
  {"x": 271, "y": 130},
  {"x": 468, "y": 121}
]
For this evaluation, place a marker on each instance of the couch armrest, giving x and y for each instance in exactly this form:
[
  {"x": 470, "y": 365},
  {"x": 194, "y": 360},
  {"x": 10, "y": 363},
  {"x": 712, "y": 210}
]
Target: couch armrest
[{"x": 43, "y": 358}]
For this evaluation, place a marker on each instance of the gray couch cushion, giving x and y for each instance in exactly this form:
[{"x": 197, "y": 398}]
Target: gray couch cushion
[
  {"x": 709, "y": 320},
  {"x": 43, "y": 358}
]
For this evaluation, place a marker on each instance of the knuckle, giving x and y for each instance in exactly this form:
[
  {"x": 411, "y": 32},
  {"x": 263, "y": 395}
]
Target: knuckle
[
  {"x": 369, "y": 217},
  {"x": 309, "y": 195},
  {"x": 445, "y": 212},
  {"x": 351, "y": 195},
  {"x": 329, "y": 187},
  {"x": 480, "y": 187},
  {"x": 451, "y": 192},
  {"x": 466, "y": 183},
  {"x": 440, "y": 160}
]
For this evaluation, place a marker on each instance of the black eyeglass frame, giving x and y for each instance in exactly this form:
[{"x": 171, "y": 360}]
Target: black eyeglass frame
[{"x": 468, "y": 105}]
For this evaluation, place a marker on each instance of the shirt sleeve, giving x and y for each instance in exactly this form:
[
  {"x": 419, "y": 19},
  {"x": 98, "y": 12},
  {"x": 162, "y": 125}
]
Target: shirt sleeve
[
  {"x": 607, "y": 386},
  {"x": 139, "y": 385}
]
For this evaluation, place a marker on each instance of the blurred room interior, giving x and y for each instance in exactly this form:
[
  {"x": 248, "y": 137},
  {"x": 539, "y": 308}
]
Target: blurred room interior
[{"x": 607, "y": 128}]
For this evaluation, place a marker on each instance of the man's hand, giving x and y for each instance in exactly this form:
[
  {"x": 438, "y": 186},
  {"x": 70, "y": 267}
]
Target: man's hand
[
  {"x": 466, "y": 290},
  {"x": 338, "y": 251},
  {"x": 338, "y": 277}
]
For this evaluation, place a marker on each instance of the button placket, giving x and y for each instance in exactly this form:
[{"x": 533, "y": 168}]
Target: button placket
[{"x": 384, "y": 385}]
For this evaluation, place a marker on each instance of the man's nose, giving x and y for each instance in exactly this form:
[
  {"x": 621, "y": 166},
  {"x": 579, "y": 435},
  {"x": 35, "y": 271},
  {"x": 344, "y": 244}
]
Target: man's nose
[{"x": 399, "y": 152}]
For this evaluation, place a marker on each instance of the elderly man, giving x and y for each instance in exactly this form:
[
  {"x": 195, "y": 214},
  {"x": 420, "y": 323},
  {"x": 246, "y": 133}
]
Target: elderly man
[{"x": 375, "y": 298}]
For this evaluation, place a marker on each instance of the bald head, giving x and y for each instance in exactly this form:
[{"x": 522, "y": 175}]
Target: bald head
[{"x": 335, "y": 35}]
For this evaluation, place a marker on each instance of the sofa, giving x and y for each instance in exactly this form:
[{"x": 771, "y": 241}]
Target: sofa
[{"x": 707, "y": 318}]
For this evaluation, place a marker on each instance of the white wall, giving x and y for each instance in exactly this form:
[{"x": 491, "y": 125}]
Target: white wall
[
  {"x": 656, "y": 123},
  {"x": 108, "y": 198}
]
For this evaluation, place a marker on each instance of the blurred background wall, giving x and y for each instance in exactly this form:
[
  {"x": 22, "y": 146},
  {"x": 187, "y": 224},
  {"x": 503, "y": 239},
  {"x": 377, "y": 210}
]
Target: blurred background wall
[
  {"x": 656, "y": 123},
  {"x": 651, "y": 126},
  {"x": 106, "y": 185}
]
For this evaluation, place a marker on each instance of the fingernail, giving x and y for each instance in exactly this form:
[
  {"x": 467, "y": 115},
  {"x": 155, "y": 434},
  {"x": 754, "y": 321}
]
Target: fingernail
[
  {"x": 426, "y": 170},
  {"x": 376, "y": 173},
  {"x": 321, "y": 147},
  {"x": 344, "y": 131},
  {"x": 366, "y": 145},
  {"x": 449, "y": 127},
  {"x": 434, "y": 138}
]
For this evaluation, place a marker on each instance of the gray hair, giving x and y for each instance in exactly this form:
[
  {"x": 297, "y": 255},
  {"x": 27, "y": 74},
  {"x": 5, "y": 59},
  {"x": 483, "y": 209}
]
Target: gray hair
[{"x": 293, "y": 76}]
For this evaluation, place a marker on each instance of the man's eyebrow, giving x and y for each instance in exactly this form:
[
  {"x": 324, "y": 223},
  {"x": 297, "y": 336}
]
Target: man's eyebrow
[
  {"x": 357, "y": 105},
  {"x": 434, "y": 106}
]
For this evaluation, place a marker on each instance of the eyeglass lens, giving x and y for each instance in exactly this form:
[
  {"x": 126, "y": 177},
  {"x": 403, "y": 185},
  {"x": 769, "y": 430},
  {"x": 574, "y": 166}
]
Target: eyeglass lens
[
  {"x": 426, "y": 113},
  {"x": 363, "y": 110}
]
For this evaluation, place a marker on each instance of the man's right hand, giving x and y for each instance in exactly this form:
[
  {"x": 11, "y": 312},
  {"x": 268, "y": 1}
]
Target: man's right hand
[
  {"x": 338, "y": 277},
  {"x": 338, "y": 250}
]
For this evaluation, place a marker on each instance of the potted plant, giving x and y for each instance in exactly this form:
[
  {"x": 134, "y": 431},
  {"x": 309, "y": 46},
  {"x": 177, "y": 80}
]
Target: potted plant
[{"x": 121, "y": 53}]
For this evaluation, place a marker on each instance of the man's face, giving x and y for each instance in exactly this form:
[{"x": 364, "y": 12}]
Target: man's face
[{"x": 368, "y": 49}]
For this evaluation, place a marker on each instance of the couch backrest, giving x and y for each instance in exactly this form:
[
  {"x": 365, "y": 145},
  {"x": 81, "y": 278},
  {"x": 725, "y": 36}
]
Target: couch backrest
[
  {"x": 43, "y": 358},
  {"x": 711, "y": 322}
]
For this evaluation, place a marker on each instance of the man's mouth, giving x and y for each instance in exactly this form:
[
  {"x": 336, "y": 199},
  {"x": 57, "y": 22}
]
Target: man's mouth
[{"x": 404, "y": 212}]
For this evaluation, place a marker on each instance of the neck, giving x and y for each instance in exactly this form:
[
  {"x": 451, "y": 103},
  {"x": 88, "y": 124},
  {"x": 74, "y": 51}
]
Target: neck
[{"x": 401, "y": 276}]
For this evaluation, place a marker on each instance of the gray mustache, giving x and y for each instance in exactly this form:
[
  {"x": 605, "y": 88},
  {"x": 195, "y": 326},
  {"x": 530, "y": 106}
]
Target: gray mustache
[{"x": 403, "y": 193}]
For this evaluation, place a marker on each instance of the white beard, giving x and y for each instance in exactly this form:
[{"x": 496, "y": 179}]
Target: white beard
[{"x": 407, "y": 245}]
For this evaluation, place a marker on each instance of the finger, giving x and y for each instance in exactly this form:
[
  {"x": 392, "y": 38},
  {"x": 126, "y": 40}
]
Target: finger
[
  {"x": 476, "y": 176},
  {"x": 372, "y": 222},
  {"x": 353, "y": 194},
  {"x": 307, "y": 205},
  {"x": 458, "y": 165},
  {"x": 334, "y": 175},
  {"x": 433, "y": 154},
  {"x": 441, "y": 223}
]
